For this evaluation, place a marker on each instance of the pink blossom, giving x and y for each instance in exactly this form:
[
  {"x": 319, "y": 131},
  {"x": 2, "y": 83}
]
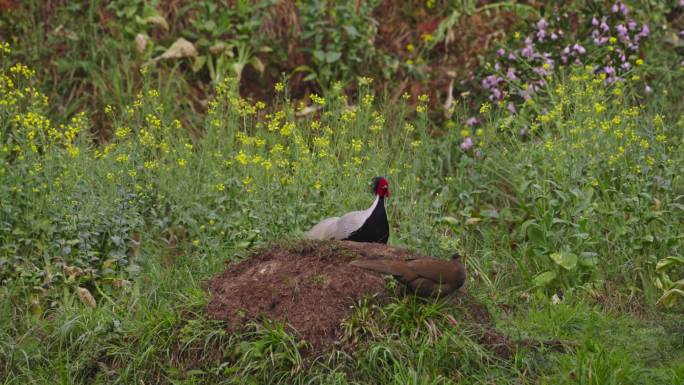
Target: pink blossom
[
  {"x": 472, "y": 121},
  {"x": 511, "y": 108},
  {"x": 467, "y": 144}
]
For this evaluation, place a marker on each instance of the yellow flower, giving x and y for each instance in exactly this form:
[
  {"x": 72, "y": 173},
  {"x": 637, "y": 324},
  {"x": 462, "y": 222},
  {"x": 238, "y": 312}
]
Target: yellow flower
[
  {"x": 242, "y": 158},
  {"x": 368, "y": 99},
  {"x": 410, "y": 47},
  {"x": 151, "y": 164},
  {"x": 317, "y": 100},
  {"x": 122, "y": 132},
  {"x": 365, "y": 81},
  {"x": 220, "y": 187},
  {"x": 195, "y": 242},
  {"x": 639, "y": 62},
  {"x": 181, "y": 162},
  {"x": 279, "y": 87},
  {"x": 427, "y": 37}
]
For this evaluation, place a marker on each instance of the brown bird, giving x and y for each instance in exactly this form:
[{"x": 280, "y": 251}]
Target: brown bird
[{"x": 425, "y": 277}]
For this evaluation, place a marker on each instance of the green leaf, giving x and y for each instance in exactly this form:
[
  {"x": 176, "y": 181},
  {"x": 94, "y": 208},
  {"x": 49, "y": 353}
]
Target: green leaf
[
  {"x": 332, "y": 57},
  {"x": 544, "y": 278},
  {"x": 351, "y": 30},
  {"x": 667, "y": 262},
  {"x": 535, "y": 234},
  {"x": 450, "y": 220},
  {"x": 199, "y": 63},
  {"x": 671, "y": 297},
  {"x": 565, "y": 259},
  {"x": 319, "y": 55},
  {"x": 489, "y": 213},
  {"x": 588, "y": 259},
  {"x": 257, "y": 64}
]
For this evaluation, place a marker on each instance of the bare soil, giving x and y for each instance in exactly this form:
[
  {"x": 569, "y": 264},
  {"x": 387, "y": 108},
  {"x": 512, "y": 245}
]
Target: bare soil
[{"x": 309, "y": 285}]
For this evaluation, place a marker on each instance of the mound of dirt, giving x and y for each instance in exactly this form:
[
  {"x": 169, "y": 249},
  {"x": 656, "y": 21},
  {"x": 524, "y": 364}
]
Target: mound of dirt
[{"x": 309, "y": 285}]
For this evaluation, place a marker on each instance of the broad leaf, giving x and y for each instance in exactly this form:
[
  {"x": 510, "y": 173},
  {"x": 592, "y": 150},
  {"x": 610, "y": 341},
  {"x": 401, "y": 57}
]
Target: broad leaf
[
  {"x": 565, "y": 259},
  {"x": 544, "y": 278}
]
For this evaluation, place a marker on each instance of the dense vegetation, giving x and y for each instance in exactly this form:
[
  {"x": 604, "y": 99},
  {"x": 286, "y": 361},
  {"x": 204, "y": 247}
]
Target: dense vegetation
[{"x": 132, "y": 170}]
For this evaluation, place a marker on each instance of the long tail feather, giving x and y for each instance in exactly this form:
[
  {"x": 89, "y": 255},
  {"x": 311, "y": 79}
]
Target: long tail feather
[{"x": 387, "y": 266}]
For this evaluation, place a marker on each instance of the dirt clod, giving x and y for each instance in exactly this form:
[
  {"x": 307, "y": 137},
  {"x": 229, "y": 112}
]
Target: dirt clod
[{"x": 309, "y": 285}]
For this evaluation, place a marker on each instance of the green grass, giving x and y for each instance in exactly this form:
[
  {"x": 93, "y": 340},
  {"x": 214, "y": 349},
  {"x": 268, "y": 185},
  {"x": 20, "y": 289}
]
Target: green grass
[{"x": 566, "y": 235}]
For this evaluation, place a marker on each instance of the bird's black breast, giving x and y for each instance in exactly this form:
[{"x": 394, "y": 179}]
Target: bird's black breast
[{"x": 375, "y": 229}]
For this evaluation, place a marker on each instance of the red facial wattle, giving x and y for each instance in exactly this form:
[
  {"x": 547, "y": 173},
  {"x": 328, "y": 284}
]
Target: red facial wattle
[{"x": 383, "y": 189}]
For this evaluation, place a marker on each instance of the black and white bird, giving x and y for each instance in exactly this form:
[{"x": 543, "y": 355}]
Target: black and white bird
[{"x": 369, "y": 225}]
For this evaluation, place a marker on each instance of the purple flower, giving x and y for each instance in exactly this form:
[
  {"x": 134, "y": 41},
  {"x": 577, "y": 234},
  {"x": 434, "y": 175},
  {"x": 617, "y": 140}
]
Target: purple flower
[
  {"x": 648, "y": 89},
  {"x": 541, "y": 35},
  {"x": 467, "y": 144},
  {"x": 496, "y": 94},
  {"x": 542, "y": 24},
  {"x": 554, "y": 36},
  {"x": 501, "y": 52},
  {"x": 609, "y": 70},
  {"x": 604, "y": 26},
  {"x": 631, "y": 25},
  {"x": 511, "y": 108},
  {"x": 622, "y": 33},
  {"x": 645, "y": 31},
  {"x": 510, "y": 74},
  {"x": 624, "y": 9},
  {"x": 491, "y": 81},
  {"x": 472, "y": 121},
  {"x": 595, "y": 22},
  {"x": 527, "y": 52},
  {"x": 579, "y": 49},
  {"x": 620, "y": 7},
  {"x": 626, "y": 65},
  {"x": 527, "y": 93}
]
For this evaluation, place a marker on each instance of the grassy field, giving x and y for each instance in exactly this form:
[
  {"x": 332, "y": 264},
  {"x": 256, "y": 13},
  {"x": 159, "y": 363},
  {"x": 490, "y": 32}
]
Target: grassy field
[{"x": 126, "y": 181}]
